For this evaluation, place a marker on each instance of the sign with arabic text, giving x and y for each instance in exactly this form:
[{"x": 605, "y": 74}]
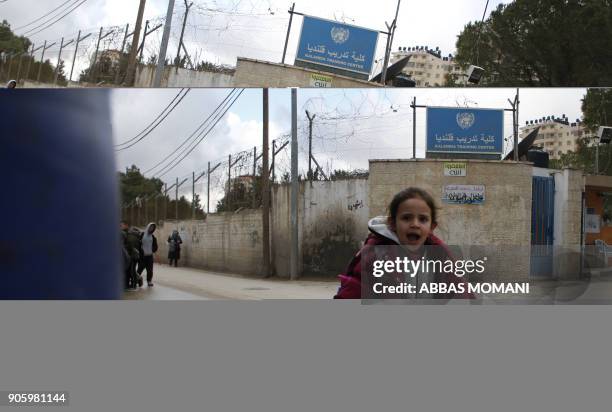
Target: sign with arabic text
[
  {"x": 463, "y": 130},
  {"x": 334, "y": 44},
  {"x": 456, "y": 169},
  {"x": 464, "y": 194},
  {"x": 320, "y": 80}
]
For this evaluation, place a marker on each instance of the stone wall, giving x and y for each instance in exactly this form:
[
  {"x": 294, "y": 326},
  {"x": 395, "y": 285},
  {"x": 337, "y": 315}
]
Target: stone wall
[{"x": 256, "y": 73}]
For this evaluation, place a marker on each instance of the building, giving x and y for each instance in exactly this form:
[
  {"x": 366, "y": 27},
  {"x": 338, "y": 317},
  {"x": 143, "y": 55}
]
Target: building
[
  {"x": 113, "y": 56},
  {"x": 427, "y": 67},
  {"x": 557, "y": 136}
]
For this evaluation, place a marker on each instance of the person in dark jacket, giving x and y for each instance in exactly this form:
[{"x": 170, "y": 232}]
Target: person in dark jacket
[
  {"x": 148, "y": 248},
  {"x": 131, "y": 246},
  {"x": 407, "y": 231},
  {"x": 174, "y": 248}
]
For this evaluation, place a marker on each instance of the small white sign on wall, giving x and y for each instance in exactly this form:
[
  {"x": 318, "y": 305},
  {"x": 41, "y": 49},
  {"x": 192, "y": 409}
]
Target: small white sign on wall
[
  {"x": 463, "y": 194},
  {"x": 455, "y": 169},
  {"x": 319, "y": 80}
]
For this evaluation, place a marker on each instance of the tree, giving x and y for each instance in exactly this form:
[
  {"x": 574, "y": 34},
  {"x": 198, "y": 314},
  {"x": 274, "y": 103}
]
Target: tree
[
  {"x": 9, "y": 42},
  {"x": 133, "y": 184},
  {"x": 596, "y": 111},
  {"x": 106, "y": 67},
  {"x": 542, "y": 43},
  {"x": 597, "y": 108}
]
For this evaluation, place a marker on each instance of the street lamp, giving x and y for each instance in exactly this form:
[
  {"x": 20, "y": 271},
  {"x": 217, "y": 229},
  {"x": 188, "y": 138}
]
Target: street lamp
[{"x": 474, "y": 74}]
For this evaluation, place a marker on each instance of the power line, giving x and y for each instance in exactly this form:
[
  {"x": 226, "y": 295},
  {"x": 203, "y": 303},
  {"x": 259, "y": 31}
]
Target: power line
[
  {"x": 43, "y": 16},
  {"x": 192, "y": 134},
  {"x": 204, "y": 135},
  {"x": 152, "y": 124},
  {"x": 53, "y": 22}
]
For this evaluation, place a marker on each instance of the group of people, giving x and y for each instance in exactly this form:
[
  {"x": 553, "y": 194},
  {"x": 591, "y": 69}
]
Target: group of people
[{"x": 138, "y": 250}]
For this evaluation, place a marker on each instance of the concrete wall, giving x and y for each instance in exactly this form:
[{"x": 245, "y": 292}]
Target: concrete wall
[
  {"x": 182, "y": 78},
  {"x": 332, "y": 222},
  {"x": 256, "y": 73},
  {"x": 229, "y": 242},
  {"x": 500, "y": 228}
]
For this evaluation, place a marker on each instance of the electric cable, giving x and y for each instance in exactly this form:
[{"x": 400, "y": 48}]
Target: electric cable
[
  {"x": 203, "y": 136},
  {"x": 153, "y": 125},
  {"x": 192, "y": 134},
  {"x": 28, "y": 33}
]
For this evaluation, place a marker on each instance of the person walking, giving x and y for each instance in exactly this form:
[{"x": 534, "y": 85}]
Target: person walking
[
  {"x": 149, "y": 247},
  {"x": 174, "y": 248}
]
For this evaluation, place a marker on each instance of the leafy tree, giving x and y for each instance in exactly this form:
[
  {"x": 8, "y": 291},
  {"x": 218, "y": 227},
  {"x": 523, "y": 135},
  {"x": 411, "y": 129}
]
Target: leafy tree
[
  {"x": 134, "y": 188},
  {"x": 542, "y": 43},
  {"x": 243, "y": 195},
  {"x": 12, "y": 44},
  {"x": 596, "y": 111},
  {"x": 133, "y": 184},
  {"x": 105, "y": 69},
  {"x": 9, "y": 42},
  {"x": 597, "y": 108}
]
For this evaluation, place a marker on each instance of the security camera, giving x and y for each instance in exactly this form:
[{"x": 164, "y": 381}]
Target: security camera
[
  {"x": 605, "y": 134},
  {"x": 474, "y": 74}
]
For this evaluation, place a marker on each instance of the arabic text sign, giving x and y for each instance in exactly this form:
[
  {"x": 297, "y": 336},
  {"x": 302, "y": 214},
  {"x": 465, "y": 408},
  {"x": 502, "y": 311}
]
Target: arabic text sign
[
  {"x": 338, "y": 45},
  {"x": 319, "y": 80},
  {"x": 455, "y": 169},
  {"x": 464, "y": 194},
  {"x": 462, "y": 130}
]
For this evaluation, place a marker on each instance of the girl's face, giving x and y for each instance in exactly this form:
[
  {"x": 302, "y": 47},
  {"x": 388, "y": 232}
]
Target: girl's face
[{"x": 413, "y": 223}]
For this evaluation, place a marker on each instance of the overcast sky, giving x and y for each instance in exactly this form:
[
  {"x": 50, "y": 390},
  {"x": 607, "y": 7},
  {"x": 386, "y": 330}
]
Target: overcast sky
[
  {"x": 221, "y": 30},
  {"x": 350, "y": 127}
]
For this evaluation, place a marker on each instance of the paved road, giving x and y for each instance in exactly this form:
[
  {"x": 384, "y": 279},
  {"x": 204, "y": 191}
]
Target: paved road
[
  {"x": 160, "y": 292},
  {"x": 193, "y": 284}
]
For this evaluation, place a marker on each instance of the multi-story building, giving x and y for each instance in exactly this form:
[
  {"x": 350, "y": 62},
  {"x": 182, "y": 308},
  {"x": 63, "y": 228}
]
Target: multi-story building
[
  {"x": 427, "y": 67},
  {"x": 556, "y": 136}
]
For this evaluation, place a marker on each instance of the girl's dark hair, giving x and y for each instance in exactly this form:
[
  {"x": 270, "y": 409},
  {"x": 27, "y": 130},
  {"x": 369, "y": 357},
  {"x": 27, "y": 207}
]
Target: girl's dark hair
[{"x": 411, "y": 193}]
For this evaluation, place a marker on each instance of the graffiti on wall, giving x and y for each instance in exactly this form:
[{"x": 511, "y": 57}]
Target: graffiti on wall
[{"x": 356, "y": 205}]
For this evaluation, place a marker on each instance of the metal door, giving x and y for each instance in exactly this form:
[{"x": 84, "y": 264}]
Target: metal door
[{"x": 542, "y": 224}]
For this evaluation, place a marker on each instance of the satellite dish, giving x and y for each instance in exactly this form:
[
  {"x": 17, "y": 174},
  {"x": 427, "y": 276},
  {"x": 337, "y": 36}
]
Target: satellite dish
[
  {"x": 524, "y": 145},
  {"x": 392, "y": 71}
]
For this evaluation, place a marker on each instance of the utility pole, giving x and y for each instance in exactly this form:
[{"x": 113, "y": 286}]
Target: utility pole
[
  {"x": 254, "y": 203},
  {"x": 294, "y": 186},
  {"x": 516, "y": 125},
  {"x": 288, "y": 31},
  {"x": 19, "y": 66},
  {"x": 229, "y": 181},
  {"x": 178, "y": 51},
  {"x": 125, "y": 37},
  {"x": 164, "y": 45},
  {"x": 59, "y": 56},
  {"x": 42, "y": 58},
  {"x": 391, "y": 31},
  {"x": 92, "y": 68},
  {"x": 165, "y": 201},
  {"x": 195, "y": 179},
  {"x": 310, "y": 119},
  {"x": 208, "y": 190},
  {"x": 132, "y": 56},
  {"x": 514, "y": 105},
  {"x": 208, "y": 185},
  {"x": 34, "y": 50},
  {"x": 265, "y": 196},
  {"x": 414, "y": 127},
  {"x": 76, "y": 49}
]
